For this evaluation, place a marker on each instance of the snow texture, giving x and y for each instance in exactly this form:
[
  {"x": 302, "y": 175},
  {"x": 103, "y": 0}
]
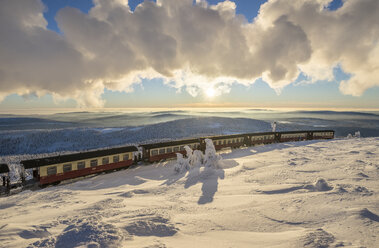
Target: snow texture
[{"x": 298, "y": 194}]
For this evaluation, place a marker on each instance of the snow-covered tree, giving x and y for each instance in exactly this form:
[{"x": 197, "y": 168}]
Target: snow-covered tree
[
  {"x": 211, "y": 158},
  {"x": 197, "y": 159}
]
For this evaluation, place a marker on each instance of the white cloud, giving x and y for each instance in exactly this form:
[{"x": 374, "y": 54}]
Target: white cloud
[{"x": 192, "y": 47}]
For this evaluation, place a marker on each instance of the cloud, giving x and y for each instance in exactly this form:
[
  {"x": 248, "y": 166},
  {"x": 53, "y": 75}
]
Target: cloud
[{"x": 191, "y": 46}]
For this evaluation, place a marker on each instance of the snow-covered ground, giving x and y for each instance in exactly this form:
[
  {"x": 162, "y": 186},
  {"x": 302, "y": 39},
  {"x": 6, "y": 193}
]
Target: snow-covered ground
[{"x": 302, "y": 194}]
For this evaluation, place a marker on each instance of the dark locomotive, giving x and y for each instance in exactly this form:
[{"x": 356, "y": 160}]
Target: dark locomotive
[{"x": 50, "y": 170}]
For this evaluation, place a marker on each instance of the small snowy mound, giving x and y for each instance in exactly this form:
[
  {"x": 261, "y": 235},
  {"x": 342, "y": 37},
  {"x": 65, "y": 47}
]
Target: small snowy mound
[
  {"x": 318, "y": 238},
  {"x": 85, "y": 234},
  {"x": 153, "y": 226},
  {"x": 322, "y": 185},
  {"x": 367, "y": 214}
]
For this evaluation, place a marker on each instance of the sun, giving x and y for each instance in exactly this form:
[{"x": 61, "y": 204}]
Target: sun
[{"x": 210, "y": 92}]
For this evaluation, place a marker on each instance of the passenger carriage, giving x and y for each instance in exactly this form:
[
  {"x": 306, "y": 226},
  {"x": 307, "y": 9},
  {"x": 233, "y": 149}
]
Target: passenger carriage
[
  {"x": 293, "y": 136},
  {"x": 323, "y": 134},
  {"x": 261, "y": 138},
  {"x": 4, "y": 174},
  {"x": 164, "y": 150},
  {"x": 226, "y": 141},
  {"x": 55, "y": 169}
]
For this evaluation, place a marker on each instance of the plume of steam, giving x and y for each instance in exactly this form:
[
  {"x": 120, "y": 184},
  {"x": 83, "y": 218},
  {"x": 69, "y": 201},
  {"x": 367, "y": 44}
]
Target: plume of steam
[{"x": 273, "y": 126}]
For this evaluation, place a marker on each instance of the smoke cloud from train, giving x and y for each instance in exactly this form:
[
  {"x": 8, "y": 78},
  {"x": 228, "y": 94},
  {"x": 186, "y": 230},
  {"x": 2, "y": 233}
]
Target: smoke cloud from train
[{"x": 191, "y": 46}]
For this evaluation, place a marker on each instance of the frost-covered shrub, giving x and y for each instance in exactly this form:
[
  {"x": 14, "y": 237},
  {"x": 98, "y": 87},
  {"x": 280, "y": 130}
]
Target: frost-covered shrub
[
  {"x": 197, "y": 159},
  {"x": 181, "y": 163},
  {"x": 357, "y": 134},
  {"x": 189, "y": 153},
  {"x": 211, "y": 158}
]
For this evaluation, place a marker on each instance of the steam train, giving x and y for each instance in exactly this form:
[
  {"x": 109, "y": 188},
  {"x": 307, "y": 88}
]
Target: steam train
[{"x": 50, "y": 170}]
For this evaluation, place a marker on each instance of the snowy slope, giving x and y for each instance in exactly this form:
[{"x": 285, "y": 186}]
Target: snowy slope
[
  {"x": 77, "y": 139},
  {"x": 303, "y": 194},
  {"x": 76, "y": 131}
]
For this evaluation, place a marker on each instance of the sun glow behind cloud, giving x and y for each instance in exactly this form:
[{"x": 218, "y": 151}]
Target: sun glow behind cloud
[
  {"x": 112, "y": 47},
  {"x": 210, "y": 92}
]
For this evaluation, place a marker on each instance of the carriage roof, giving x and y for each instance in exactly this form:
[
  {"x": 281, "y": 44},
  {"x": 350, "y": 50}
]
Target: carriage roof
[{"x": 33, "y": 163}]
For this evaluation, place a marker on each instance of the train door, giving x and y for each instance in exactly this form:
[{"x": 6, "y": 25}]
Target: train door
[
  {"x": 277, "y": 137},
  {"x": 36, "y": 173},
  {"x": 247, "y": 140}
]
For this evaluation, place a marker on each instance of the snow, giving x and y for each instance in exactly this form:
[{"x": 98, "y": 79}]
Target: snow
[{"x": 299, "y": 194}]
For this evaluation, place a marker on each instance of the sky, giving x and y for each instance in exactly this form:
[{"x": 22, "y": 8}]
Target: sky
[{"x": 181, "y": 53}]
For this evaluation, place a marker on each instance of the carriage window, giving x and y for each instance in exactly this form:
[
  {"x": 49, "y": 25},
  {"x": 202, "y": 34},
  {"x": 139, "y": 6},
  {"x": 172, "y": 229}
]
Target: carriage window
[
  {"x": 176, "y": 148},
  {"x": 169, "y": 150},
  {"x": 93, "y": 163},
  {"x": 105, "y": 161},
  {"x": 51, "y": 170},
  {"x": 162, "y": 151},
  {"x": 182, "y": 148},
  {"x": 116, "y": 159},
  {"x": 154, "y": 152},
  {"x": 67, "y": 167},
  {"x": 126, "y": 157},
  {"x": 229, "y": 141},
  {"x": 81, "y": 165}
]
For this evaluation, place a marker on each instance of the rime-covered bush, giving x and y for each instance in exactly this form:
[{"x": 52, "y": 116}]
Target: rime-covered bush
[{"x": 197, "y": 159}]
